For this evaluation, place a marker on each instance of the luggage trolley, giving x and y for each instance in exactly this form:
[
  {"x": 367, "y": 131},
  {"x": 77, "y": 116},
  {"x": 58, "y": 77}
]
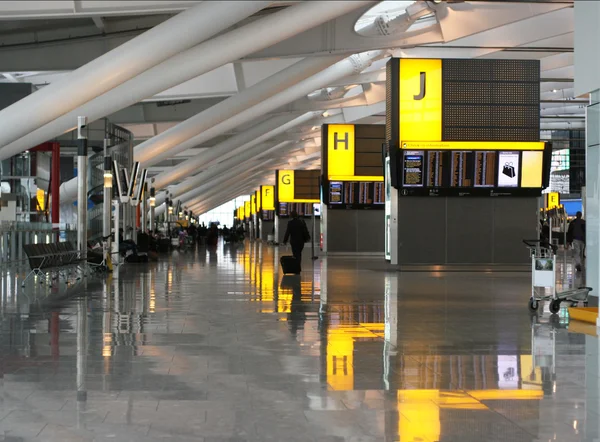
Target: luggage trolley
[{"x": 543, "y": 276}]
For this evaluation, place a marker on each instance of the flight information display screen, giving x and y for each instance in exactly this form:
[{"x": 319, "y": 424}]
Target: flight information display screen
[
  {"x": 481, "y": 172},
  {"x": 268, "y": 215},
  {"x": 284, "y": 210},
  {"x": 413, "y": 168},
  {"x": 356, "y": 195}
]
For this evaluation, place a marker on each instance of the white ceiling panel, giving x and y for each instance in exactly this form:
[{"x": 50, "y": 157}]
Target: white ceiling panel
[
  {"x": 255, "y": 71},
  {"x": 218, "y": 82}
]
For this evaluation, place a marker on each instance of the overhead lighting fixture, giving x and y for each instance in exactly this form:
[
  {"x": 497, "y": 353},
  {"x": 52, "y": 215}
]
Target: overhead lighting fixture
[
  {"x": 315, "y": 127},
  {"x": 325, "y": 114},
  {"x": 554, "y": 90},
  {"x": 152, "y": 197},
  {"x": 108, "y": 176}
]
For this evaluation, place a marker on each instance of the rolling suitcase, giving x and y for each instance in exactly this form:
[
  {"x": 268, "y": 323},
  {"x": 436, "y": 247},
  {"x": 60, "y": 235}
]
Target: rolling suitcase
[{"x": 290, "y": 265}]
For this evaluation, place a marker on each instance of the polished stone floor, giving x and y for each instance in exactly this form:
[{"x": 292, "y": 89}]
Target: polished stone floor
[{"x": 217, "y": 346}]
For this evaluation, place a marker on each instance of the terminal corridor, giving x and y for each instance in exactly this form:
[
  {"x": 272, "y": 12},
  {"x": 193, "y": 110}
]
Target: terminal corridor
[{"x": 217, "y": 345}]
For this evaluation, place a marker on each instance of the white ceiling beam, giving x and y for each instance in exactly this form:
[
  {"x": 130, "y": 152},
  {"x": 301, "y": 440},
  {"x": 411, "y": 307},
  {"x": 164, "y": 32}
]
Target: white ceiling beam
[
  {"x": 99, "y": 22},
  {"x": 48, "y": 9},
  {"x": 12, "y": 78}
]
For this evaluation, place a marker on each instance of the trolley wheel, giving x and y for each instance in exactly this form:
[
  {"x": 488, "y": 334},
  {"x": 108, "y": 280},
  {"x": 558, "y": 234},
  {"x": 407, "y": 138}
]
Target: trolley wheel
[
  {"x": 555, "y": 306},
  {"x": 533, "y": 305}
]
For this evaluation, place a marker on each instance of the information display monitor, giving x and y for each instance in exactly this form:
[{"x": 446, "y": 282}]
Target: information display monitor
[
  {"x": 305, "y": 210},
  {"x": 268, "y": 215},
  {"x": 473, "y": 172},
  {"x": 356, "y": 194}
]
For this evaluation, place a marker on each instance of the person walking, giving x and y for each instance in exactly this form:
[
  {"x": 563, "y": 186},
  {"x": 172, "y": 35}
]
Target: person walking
[
  {"x": 297, "y": 234},
  {"x": 576, "y": 236}
]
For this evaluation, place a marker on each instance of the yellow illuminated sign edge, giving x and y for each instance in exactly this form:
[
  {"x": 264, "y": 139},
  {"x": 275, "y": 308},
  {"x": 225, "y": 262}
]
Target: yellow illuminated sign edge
[{"x": 472, "y": 145}]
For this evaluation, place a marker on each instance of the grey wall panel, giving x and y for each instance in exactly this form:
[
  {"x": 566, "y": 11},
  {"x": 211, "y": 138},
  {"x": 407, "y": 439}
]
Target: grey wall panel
[
  {"x": 355, "y": 231},
  {"x": 465, "y": 230},
  {"x": 267, "y": 229},
  {"x": 370, "y": 231},
  {"x": 421, "y": 230},
  {"x": 341, "y": 231},
  {"x": 514, "y": 220},
  {"x": 469, "y": 226}
]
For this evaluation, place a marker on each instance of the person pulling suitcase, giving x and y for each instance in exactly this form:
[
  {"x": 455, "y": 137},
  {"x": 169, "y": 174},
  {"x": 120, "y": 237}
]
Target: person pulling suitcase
[{"x": 297, "y": 234}]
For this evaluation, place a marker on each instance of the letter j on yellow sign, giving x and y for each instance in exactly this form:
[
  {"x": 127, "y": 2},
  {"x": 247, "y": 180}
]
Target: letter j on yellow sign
[{"x": 420, "y": 99}]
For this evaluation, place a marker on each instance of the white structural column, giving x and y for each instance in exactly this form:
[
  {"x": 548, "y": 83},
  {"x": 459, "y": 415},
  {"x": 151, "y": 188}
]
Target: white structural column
[
  {"x": 202, "y": 182},
  {"x": 203, "y": 58},
  {"x": 215, "y": 199},
  {"x": 210, "y": 199},
  {"x": 82, "y": 187},
  {"x": 121, "y": 64},
  {"x": 217, "y": 183},
  {"x": 226, "y": 193},
  {"x": 228, "y": 145},
  {"x": 587, "y": 80},
  {"x": 233, "y": 148},
  {"x": 351, "y": 65},
  {"x": 233, "y": 182},
  {"x": 233, "y": 111}
]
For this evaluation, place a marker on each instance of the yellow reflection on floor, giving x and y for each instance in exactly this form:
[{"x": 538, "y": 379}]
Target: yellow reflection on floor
[{"x": 419, "y": 416}]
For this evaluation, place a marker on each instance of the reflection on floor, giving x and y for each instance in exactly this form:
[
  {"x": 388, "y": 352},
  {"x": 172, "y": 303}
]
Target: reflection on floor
[{"x": 217, "y": 345}]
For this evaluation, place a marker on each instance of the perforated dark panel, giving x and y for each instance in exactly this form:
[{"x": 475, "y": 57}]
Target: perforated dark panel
[
  {"x": 491, "y": 100},
  {"x": 367, "y": 144},
  {"x": 306, "y": 184}
]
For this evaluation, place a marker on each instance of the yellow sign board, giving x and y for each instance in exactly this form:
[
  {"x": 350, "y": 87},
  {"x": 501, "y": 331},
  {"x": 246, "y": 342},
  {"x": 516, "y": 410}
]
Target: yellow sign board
[
  {"x": 552, "y": 200},
  {"x": 473, "y": 145},
  {"x": 341, "y": 154},
  {"x": 253, "y": 202},
  {"x": 247, "y": 209},
  {"x": 285, "y": 188},
  {"x": 258, "y": 202},
  {"x": 420, "y": 99},
  {"x": 340, "y": 150},
  {"x": 267, "y": 197}
]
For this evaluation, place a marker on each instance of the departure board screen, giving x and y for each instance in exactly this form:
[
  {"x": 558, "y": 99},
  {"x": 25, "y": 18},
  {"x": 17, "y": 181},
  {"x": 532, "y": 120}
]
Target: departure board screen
[
  {"x": 268, "y": 215},
  {"x": 485, "y": 169},
  {"x": 357, "y": 195},
  {"x": 413, "y": 168},
  {"x": 435, "y": 168},
  {"x": 302, "y": 209},
  {"x": 471, "y": 173},
  {"x": 335, "y": 192},
  {"x": 461, "y": 173},
  {"x": 283, "y": 209}
]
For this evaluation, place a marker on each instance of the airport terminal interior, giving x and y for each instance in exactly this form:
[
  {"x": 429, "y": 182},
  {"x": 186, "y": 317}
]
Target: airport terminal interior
[{"x": 311, "y": 221}]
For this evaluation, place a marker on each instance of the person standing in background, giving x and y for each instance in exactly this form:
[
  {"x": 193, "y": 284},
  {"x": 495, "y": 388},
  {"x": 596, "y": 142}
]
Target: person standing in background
[
  {"x": 297, "y": 233},
  {"x": 576, "y": 236}
]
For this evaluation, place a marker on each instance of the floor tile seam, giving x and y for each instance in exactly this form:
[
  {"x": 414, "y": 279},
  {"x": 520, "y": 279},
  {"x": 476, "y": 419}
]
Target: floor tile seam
[{"x": 505, "y": 418}]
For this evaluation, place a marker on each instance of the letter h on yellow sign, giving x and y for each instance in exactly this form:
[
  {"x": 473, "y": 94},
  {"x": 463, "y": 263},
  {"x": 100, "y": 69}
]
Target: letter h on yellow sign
[{"x": 340, "y": 150}]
